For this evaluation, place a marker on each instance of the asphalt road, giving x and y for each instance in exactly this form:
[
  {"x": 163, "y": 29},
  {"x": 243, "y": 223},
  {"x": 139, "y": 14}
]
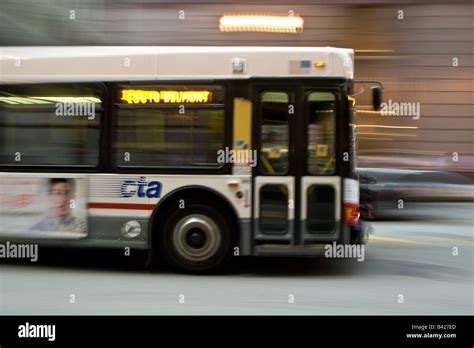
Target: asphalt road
[{"x": 410, "y": 258}]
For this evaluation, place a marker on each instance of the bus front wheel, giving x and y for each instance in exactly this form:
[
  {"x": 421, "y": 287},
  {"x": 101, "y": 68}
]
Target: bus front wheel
[{"x": 196, "y": 239}]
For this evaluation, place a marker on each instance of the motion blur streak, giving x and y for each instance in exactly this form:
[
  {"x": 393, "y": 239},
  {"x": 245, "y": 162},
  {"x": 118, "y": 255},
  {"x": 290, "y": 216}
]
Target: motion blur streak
[
  {"x": 410, "y": 46},
  {"x": 413, "y": 258},
  {"x": 416, "y": 183}
]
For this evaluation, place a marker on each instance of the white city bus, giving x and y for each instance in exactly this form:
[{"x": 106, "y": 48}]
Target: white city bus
[{"x": 195, "y": 153}]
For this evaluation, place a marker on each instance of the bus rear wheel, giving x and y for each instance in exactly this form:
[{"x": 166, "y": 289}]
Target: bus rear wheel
[{"x": 196, "y": 239}]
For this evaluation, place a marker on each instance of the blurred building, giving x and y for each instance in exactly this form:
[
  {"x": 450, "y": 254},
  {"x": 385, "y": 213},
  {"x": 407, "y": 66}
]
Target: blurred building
[{"x": 422, "y": 52}]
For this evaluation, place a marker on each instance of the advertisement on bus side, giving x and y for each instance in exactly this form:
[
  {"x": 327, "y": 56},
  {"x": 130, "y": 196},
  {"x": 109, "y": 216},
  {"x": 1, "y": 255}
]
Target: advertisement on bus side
[{"x": 43, "y": 207}]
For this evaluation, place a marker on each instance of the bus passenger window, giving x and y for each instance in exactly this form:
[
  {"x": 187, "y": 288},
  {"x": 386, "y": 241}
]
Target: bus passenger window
[
  {"x": 50, "y": 124},
  {"x": 170, "y": 126},
  {"x": 165, "y": 138},
  {"x": 274, "y": 142},
  {"x": 321, "y": 107}
]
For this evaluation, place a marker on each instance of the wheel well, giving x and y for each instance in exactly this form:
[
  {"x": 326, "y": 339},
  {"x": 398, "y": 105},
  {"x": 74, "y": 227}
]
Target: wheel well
[{"x": 191, "y": 193}]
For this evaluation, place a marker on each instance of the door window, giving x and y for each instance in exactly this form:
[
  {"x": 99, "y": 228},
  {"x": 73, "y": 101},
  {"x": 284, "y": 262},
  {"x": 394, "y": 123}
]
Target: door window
[
  {"x": 275, "y": 138},
  {"x": 321, "y": 109}
]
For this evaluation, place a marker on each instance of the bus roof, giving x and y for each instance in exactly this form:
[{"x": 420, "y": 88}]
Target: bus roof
[{"x": 109, "y": 63}]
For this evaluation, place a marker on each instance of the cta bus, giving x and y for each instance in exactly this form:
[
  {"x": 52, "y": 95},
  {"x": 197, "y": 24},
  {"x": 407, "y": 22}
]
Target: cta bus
[{"x": 198, "y": 154}]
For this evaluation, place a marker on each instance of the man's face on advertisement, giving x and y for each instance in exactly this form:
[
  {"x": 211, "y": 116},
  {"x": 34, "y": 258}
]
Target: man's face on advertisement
[{"x": 60, "y": 195}]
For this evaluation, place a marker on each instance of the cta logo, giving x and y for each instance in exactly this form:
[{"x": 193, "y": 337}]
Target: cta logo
[{"x": 141, "y": 188}]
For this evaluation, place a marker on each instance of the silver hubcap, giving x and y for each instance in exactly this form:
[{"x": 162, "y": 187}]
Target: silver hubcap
[{"x": 196, "y": 237}]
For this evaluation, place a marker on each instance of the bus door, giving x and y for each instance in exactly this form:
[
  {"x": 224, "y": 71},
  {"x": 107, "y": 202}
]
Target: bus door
[{"x": 296, "y": 192}]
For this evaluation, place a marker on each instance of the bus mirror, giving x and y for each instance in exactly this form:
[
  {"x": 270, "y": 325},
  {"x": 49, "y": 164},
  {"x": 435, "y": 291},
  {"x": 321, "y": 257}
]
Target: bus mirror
[{"x": 377, "y": 97}]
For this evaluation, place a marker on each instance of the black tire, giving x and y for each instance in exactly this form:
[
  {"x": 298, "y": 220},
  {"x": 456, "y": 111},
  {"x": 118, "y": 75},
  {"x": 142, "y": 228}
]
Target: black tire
[{"x": 184, "y": 253}]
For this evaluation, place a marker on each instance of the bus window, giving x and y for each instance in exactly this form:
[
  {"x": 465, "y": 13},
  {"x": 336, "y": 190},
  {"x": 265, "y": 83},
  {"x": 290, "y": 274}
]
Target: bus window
[
  {"x": 163, "y": 136},
  {"x": 321, "y": 108},
  {"x": 273, "y": 209},
  {"x": 321, "y": 205},
  {"x": 50, "y": 125},
  {"x": 274, "y": 143}
]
